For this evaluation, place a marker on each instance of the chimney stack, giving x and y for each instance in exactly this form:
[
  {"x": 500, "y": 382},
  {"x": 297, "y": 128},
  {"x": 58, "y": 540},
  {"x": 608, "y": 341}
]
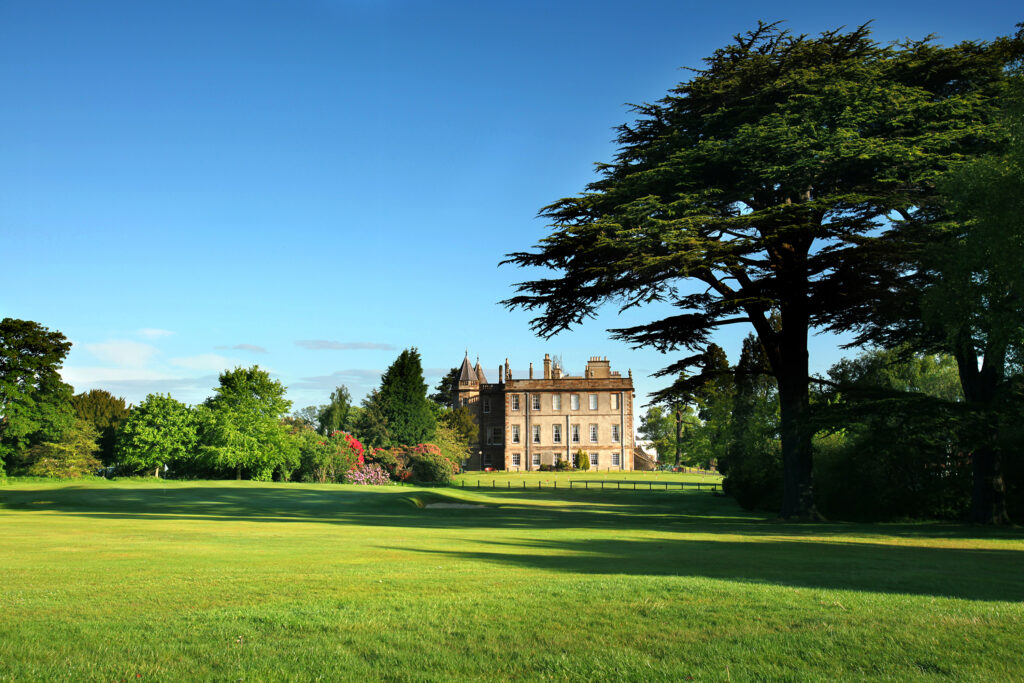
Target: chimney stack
[
  {"x": 547, "y": 366},
  {"x": 531, "y": 370}
]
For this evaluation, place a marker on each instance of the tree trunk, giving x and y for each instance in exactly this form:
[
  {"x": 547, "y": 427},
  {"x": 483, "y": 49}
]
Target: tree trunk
[
  {"x": 792, "y": 373},
  {"x": 988, "y": 504},
  {"x": 238, "y": 473},
  {"x": 156, "y": 472},
  {"x": 988, "y": 495},
  {"x": 679, "y": 436}
]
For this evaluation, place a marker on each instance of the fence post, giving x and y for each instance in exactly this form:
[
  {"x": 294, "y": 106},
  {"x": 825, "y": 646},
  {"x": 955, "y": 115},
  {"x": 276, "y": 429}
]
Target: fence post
[
  {"x": 478, "y": 483},
  {"x": 492, "y": 483},
  {"x": 509, "y": 482},
  {"x": 570, "y": 483}
]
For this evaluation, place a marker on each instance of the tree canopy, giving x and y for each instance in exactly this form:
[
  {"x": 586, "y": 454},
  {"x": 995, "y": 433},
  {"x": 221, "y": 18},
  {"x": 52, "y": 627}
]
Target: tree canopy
[
  {"x": 403, "y": 402},
  {"x": 34, "y": 403},
  {"x": 759, "y": 186}
]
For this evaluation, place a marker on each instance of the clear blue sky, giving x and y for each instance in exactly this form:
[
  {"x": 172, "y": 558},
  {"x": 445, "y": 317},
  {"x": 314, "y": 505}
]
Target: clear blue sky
[{"x": 313, "y": 186}]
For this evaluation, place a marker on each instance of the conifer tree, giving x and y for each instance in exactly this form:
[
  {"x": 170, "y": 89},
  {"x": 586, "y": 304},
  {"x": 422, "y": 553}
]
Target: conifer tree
[
  {"x": 764, "y": 183},
  {"x": 403, "y": 402}
]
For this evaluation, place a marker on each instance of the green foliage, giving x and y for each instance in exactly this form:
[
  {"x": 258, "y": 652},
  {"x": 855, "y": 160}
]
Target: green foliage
[
  {"x": 891, "y": 441},
  {"x": 323, "y": 458},
  {"x": 431, "y": 468},
  {"x": 336, "y": 415},
  {"x": 766, "y": 183},
  {"x": 752, "y": 464},
  {"x": 658, "y": 427},
  {"x": 462, "y": 421},
  {"x": 452, "y": 443},
  {"x": 309, "y": 416},
  {"x": 395, "y": 462},
  {"x": 583, "y": 460},
  {"x": 442, "y": 395},
  {"x": 34, "y": 404},
  {"x": 241, "y": 428},
  {"x": 158, "y": 432},
  {"x": 106, "y": 413},
  {"x": 402, "y": 402},
  {"x": 71, "y": 457},
  {"x": 370, "y": 423}
]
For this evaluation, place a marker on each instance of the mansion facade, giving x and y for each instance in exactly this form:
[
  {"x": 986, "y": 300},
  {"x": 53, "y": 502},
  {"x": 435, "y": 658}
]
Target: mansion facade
[{"x": 526, "y": 423}]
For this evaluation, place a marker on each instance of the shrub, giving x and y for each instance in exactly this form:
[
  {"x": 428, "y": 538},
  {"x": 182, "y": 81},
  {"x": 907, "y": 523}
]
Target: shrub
[
  {"x": 368, "y": 474},
  {"x": 584, "y": 460},
  {"x": 394, "y": 461},
  {"x": 545, "y": 468},
  {"x": 326, "y": 458},
  {"x": 561, "y": 464},
  {"x": 431, "y": 468}
]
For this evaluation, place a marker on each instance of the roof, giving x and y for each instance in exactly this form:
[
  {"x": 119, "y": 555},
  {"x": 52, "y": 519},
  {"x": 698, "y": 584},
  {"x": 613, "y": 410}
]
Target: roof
[{"x": 466, "y": 372}]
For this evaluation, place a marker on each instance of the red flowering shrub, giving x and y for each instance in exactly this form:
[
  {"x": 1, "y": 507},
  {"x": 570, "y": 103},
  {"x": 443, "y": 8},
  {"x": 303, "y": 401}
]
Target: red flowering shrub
[{"x": 327, "y": 458}]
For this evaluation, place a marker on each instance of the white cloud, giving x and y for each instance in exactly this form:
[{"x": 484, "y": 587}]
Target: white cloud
[
  {"x": 123, "y": 353},
  {"x": 154, "y": 333},
  {"x": 206, "y": 361}
]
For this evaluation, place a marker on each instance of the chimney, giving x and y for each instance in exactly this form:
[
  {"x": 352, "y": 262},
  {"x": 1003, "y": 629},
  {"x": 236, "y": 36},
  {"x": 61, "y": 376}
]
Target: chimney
[
  {"x": 547, "y": 366},
  {"x": 500, "y": 376},
  {"x": 531, "y": 370}
]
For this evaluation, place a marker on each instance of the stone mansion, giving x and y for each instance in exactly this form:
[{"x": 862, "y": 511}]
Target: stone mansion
[{"x": 526, "y": 423}]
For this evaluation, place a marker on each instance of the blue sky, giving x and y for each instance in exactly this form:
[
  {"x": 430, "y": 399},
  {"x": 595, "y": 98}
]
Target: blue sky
[{"x": 313, "y": 186}]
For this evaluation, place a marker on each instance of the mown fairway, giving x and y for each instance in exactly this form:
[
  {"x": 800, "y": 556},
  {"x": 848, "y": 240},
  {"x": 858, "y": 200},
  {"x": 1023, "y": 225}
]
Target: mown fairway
[{"x": 241, "y": 581}]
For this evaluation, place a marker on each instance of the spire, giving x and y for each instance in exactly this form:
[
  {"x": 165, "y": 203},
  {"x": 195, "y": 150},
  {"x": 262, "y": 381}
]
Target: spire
[
  {"x": 480, "y": 372},
  {"x": 466, "y": 372}
]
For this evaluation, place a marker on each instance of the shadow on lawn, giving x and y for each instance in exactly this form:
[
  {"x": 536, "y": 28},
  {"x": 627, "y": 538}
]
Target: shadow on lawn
[{"x": 862, "y": 556}]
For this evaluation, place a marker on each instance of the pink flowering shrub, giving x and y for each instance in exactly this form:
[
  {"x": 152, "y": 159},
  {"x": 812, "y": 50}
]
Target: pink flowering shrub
[{"x": 370, "y": 474}]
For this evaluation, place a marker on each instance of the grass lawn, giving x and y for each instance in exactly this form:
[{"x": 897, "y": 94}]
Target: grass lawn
[{"x": 136, "y": 580}]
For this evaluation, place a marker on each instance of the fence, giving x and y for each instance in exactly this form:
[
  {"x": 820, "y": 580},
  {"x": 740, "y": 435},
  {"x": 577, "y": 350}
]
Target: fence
[{"x": 585, "y": 484}]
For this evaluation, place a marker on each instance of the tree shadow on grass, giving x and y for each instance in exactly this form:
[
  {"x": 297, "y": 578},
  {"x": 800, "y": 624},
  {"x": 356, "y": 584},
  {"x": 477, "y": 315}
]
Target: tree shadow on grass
[
  {"x": 971, "y": 574},
  {"x": 743, "y": 546}
]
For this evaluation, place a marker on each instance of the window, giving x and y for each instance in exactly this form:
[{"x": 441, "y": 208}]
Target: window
[
  {"x": 487, "y": 459},
  {"x": 465, "y": 401},
  {"x": 615, "y": 433},
  {"x": 487, "y": 405},
  {"x": 515, "y": 433},
  {"x": 615, "y": 401},
  {"x": 593, "y": 401},
  {"x": 535, "y": 403},
  {"x": 536, "y": 459},
  {"x": 616, "y": 460},
  {"x": 517, "y": 459},
  {"x": 536, "y": 433},
  {"x": 515, "y": 401},
  {"x": 593, "y": 459},
  {"x": 556, "y": 433},
  {"x": 574, "y": 401},
  {"x": 556, "y": 402},
  {"x": 575, "y": 459},
  {"x": 494, "y": 435},
  {"x": 575, "y": 433},
  {"x": 593, "y": 433}
]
